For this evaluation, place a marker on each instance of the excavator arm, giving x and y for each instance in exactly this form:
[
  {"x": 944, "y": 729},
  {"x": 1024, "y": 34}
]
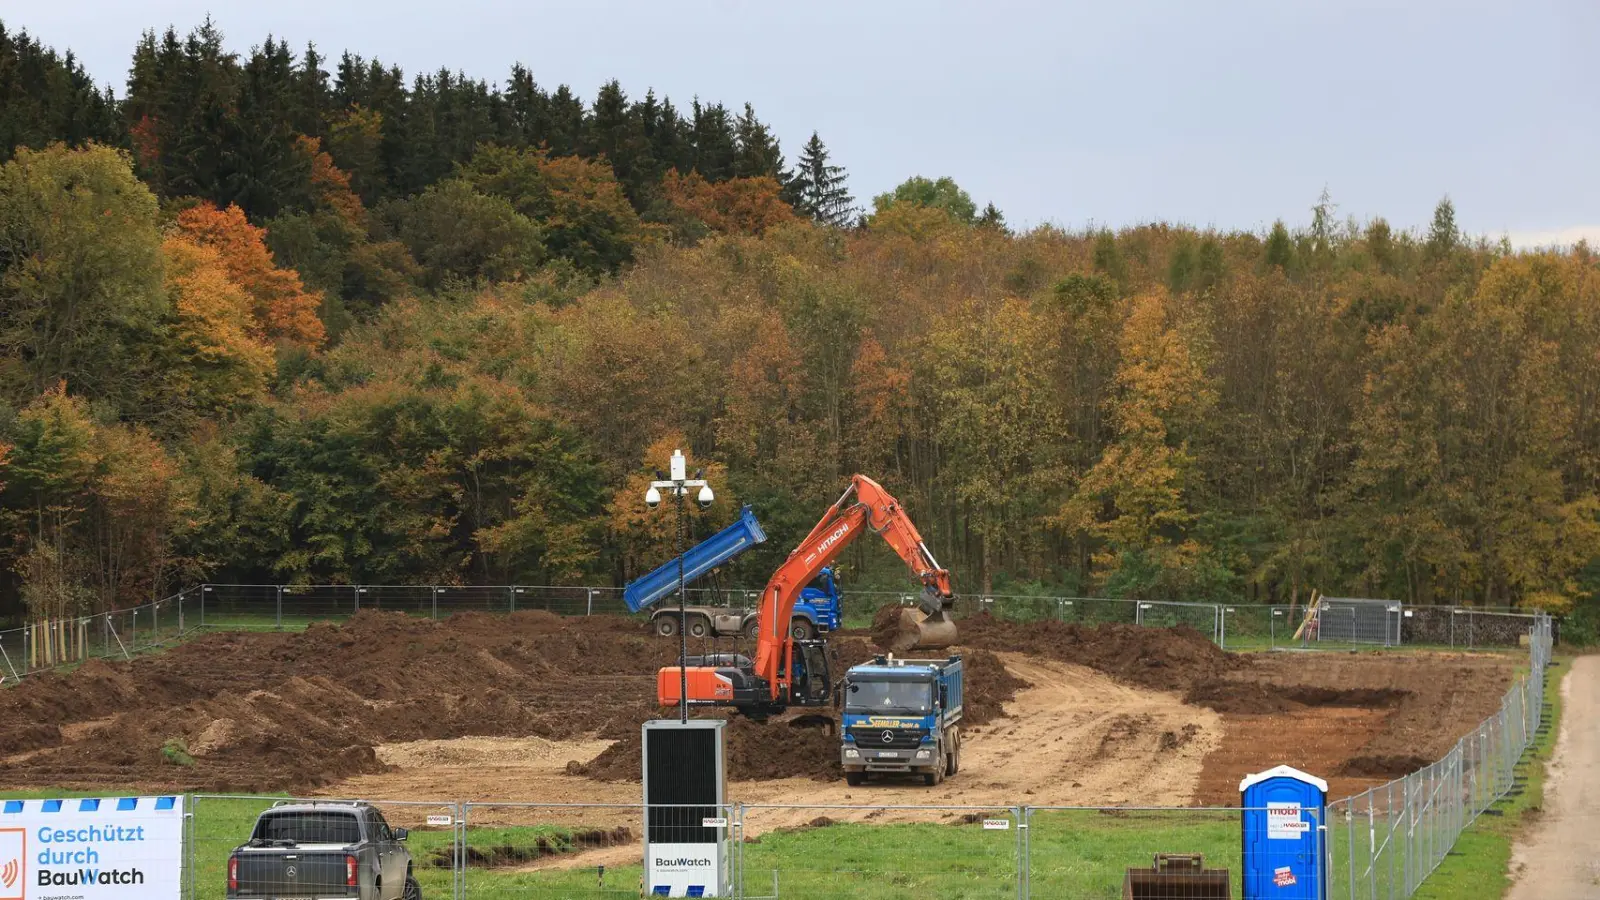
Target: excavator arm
[{"x": 768, "y": 684}]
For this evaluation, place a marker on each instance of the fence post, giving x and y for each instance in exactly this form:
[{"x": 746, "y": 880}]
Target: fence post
[
  {"x": 279, "y": 609},
  {"x": 435, "y": 595},
  {"x": 513, "y": 590},
  {"x": 1024, "y": 852}
]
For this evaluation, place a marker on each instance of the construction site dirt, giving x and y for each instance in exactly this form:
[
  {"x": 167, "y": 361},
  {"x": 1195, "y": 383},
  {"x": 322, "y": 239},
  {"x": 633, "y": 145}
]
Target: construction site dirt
[{"x": 535, "y": 707}]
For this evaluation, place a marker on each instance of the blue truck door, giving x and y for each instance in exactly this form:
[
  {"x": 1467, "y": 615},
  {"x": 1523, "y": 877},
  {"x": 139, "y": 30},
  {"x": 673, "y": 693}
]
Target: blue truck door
[{"x": 1283, "y": 842}]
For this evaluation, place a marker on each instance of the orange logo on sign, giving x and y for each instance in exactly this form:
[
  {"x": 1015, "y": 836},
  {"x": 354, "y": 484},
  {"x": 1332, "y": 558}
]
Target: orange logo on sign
[{"x": 13, "y": 852}]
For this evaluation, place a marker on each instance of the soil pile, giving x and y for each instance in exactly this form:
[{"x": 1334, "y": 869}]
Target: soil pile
[
  {"x": 1256, "y": 698},
  {"x": 297, "y": 710},
  {"x": 1167, "y": 659}
]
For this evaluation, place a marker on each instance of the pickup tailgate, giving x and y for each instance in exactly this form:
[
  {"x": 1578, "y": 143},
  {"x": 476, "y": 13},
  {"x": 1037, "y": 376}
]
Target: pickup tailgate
[{"x": 276, "y": 872}]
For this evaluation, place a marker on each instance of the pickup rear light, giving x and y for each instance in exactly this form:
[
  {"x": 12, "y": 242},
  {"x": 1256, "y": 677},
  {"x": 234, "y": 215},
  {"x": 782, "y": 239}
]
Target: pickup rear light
[
  {"x": 233, "y": 873},
  {"x": 349, "y": 871}
]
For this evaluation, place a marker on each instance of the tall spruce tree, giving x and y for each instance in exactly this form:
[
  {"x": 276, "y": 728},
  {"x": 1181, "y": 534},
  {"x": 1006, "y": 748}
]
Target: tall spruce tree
[{"x": 820, "y": 190}]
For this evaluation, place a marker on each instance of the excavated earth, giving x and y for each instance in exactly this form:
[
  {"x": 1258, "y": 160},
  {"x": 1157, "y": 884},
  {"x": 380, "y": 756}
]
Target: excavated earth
[{"x": 538, "y": 707}]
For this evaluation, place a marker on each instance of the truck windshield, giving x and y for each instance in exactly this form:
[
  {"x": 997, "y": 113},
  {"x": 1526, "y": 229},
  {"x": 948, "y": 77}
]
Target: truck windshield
[
  {"x": 309, "y": 828},
  {"x": 904, "y": 697}
]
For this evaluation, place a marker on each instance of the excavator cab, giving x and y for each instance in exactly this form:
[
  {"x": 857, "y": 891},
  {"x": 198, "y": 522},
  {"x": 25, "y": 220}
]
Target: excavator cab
[{"x": 811, "y": 684}]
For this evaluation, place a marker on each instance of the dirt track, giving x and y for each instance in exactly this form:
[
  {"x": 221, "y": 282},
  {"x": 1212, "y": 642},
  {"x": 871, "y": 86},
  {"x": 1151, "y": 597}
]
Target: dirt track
[
  {"x": 1561, "y": 855},
  {"x": 1077, "y": 738}
]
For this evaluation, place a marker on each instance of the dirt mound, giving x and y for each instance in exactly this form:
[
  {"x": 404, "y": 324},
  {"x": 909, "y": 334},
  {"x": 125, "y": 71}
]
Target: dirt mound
[
  {"x": 298, "y": 710},
  {"x": 1168, "y": 659},
  {"x": 1256, "y": 698},
  {"x": 887, "y": 630},
  {"x": 1382, "y": 766}
]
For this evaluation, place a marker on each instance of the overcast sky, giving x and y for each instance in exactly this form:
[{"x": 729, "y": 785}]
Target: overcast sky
[{"x": 1229, "y": 114}]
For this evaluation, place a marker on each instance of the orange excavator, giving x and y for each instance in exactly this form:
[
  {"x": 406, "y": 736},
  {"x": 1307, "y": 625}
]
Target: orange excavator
[{"x": 787, "y": 672}]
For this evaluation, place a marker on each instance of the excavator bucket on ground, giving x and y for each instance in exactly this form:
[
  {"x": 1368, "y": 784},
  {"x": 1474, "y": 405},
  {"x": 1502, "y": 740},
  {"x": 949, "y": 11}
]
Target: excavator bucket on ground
[{"x": 1177, "y": 877}]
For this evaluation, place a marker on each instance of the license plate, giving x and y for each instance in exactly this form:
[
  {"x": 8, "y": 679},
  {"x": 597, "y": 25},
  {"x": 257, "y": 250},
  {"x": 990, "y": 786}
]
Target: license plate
[{"x": 888, "y": 753}]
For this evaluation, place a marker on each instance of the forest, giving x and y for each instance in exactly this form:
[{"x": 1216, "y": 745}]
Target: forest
[{"x": 279, "y": 319}]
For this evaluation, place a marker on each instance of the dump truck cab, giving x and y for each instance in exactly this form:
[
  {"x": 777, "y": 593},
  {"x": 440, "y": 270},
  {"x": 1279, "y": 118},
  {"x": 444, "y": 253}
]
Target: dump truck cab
[{"x": 902, "y": 716}]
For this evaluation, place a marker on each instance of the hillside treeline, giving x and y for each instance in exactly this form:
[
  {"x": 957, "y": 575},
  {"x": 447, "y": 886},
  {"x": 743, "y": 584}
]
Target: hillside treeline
[{"x": 459, "y": 358}]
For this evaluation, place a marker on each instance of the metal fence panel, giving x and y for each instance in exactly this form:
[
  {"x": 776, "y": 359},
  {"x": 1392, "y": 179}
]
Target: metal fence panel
[
  {"x": 219, "y": 824},
  {"x": 1359, "y": 621},
  {"x": 1082, "y": 852},
  {"x": 559, "y": 851},
  {"x": 815, "y": 852}
]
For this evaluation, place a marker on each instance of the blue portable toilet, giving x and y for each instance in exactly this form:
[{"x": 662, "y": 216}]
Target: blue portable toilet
[{"x": 1285, "y": 841}]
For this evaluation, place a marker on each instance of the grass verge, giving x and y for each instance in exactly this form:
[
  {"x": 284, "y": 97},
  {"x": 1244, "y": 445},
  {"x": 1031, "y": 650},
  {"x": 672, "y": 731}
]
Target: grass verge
[{"x": 1478, "y": 868}]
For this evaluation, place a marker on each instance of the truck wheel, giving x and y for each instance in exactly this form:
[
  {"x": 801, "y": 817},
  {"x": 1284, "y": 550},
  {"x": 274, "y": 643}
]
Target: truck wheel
[
  {"x": 932, "y": 779},
  {"x": 855, "y": 779},
  {"x": 801, "y": 630},
  {"x": 699, "y": 627},
  {"x": 666, "y": 626},
  {"x": 955, "y": 754},
  {"x": 413, "y": 890},
  {"x": 752, "y": 629}
]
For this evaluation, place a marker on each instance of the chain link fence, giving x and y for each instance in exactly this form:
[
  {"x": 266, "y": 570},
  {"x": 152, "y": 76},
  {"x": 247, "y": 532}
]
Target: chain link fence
[{"x": 62, "y": 642}]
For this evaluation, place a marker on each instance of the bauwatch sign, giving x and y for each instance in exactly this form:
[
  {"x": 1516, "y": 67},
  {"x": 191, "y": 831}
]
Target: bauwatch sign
[{"x": 97, "y": 848}]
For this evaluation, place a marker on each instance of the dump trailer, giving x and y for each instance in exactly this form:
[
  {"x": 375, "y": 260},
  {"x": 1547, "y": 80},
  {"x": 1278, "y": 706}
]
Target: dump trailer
[
  {"x": 817, "y": 611},
  {"x": 902, "y": 717}
]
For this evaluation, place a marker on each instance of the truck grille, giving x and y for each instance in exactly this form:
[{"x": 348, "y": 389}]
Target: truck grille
[{"x": 869, "y": 738}]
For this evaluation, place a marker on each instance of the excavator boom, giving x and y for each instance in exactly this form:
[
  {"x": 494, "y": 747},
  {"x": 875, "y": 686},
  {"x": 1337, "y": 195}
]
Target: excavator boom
[{"x": 776, "y": 678}]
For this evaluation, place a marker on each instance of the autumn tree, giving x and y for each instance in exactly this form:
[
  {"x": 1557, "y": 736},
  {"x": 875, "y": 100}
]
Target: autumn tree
[
  {"x": 283, "y": 311},
  {"x": 80, "y": 273},
  {"x": 735, "y": 206},
  {"x": 1135, "y": 497},
  {"x": 942, "y": 194}
]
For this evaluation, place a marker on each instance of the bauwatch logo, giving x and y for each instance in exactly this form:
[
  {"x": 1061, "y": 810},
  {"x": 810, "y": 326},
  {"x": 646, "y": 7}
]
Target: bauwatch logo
[
  {"x": 13, "y": 863},
  {"x": 682, "y": 862}
]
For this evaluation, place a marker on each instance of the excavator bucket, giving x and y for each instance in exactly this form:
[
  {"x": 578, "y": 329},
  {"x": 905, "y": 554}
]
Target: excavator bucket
[{"x": 899, "y": 629}]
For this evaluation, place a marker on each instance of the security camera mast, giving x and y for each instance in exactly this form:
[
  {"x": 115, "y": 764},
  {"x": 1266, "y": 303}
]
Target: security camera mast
[{"x": 789, "y": 672}]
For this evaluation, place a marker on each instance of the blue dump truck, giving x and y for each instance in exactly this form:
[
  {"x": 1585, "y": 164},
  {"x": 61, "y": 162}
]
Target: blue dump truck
[
  {"x": 902, "y": 716},
  {"x": 817, "y": 611}
]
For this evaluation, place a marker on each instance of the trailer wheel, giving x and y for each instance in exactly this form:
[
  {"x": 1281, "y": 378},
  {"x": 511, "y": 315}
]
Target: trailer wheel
[
  {"x": 855, "y": 779},
  {"x": 699, "y": 627},
  {"x": 666, "y": 626},
  {"x": 752, "y": 629},
  {"x": 801, "y": 630}
]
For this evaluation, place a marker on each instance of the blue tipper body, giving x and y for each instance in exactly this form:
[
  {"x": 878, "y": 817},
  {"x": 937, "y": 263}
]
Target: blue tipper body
[
  {"x": 721, "y": 547},
  {"x": 1284, "y": 837}
]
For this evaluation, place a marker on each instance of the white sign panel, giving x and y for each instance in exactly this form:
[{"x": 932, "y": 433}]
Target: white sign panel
[
  {"x": 441, "y": 820},
  {"x": 105, "y": 848},
  {"x": 684, "y": 870},
  {"x": 996, "y": 824},
  {"x": 1284, "y": 822}
]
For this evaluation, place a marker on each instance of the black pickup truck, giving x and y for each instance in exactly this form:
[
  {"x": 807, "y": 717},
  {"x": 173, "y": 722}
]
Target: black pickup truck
[{"x": 313, "y": 851}]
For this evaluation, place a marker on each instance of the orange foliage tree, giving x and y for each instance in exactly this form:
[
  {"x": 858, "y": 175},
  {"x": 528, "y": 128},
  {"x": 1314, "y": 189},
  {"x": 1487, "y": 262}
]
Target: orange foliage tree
[
  {"x": 282, "y": 308},
  {"x": 738, "y": 205}
]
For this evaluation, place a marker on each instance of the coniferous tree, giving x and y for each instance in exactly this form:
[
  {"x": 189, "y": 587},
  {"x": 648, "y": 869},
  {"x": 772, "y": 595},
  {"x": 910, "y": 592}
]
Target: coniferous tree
[
  {"x": 1280, "y": 250},
  {"x": 1443, "y": 235},
  {"x": 46, "y": 98},
  {"x": 758, "y": 152},
  {"x": 991, "y": 217},
  {"x": 820, "y": 190},
  {"x": 712, "y": 135}
]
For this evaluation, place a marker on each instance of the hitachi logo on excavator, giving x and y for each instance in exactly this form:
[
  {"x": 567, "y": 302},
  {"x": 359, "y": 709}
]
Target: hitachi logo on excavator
[{"x": 827, "y": 542}]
